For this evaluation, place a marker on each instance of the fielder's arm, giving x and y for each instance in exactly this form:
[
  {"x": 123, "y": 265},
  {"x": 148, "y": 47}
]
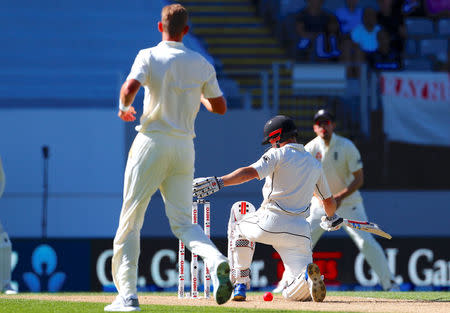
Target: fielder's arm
[
  {"x": 356, "y": 183},
  {"x": 127, "y": 94}
]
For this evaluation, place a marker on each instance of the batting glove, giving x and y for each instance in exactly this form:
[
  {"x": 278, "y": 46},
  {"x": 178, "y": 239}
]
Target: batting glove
[
  {"x": 205, "y": 186},
  {"x": 331, "y": 223}
]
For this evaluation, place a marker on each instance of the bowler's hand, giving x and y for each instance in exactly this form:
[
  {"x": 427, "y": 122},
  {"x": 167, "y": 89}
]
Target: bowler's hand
[{"x": 128, "y": 116}]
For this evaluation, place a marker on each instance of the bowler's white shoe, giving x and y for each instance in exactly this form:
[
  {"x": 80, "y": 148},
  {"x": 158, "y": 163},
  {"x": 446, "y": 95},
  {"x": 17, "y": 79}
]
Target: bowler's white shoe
[
  {"x": 123, "y": 305},
  {"x": 317, "y": 287},
  {"x": 222, "y": 284}
]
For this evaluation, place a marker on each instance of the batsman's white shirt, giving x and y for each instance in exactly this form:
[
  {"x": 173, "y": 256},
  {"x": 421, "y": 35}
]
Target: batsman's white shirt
[
  {"x": 174, "y": 77},
  {"x": 339, "y": 160},
  {"x": 292, "y": 175}
]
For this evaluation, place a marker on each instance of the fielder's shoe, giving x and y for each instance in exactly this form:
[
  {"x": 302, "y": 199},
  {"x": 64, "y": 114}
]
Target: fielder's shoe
[
  {"x": 9, "y": 290},
  {"x": 239, "y": 292},
  {"x": 123, "y": 305},
  {"x": 394, "y": 287},
  {"x": 222, "y": 284},
  {"x": 317, "y": 287}
]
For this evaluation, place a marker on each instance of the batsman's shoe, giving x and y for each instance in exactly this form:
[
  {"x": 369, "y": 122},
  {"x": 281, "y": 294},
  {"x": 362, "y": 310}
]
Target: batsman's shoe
[
  {"x": 222, "y": 284},
  {"x": 121, "y": 304},
  {"x": 316, "y": 285},
  {"x": 239, "y": 292}
]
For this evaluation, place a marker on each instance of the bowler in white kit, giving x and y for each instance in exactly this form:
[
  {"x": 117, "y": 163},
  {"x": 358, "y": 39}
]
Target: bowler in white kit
[
  {"x": 176, "y": 79},
  {"x": 291, "y": 175}
]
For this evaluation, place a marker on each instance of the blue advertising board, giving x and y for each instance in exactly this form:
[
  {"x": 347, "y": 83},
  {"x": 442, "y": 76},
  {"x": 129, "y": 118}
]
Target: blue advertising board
[{"x": 51, "y": 265}]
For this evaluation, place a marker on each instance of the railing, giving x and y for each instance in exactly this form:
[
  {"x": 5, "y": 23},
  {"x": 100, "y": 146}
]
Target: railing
[
  {"x": 245, "y": 94},
  {"x": 331, "y": 84}
]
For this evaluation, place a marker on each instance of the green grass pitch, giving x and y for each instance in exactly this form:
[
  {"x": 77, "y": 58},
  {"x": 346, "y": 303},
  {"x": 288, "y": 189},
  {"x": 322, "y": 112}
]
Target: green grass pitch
[{"x": 16, "y": 305}]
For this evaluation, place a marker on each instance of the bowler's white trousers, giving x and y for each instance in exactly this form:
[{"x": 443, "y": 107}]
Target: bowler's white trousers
[
  {"x": 157, "y": 160},
  {"x": 373, "y": 253}
]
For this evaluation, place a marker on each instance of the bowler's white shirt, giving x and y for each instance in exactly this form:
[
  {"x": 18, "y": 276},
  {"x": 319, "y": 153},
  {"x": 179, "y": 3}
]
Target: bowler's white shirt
[
  {"x": 173, "y": 77},
  {"x": 339, "y": 160},
  {"x": 292, "y": 175}
]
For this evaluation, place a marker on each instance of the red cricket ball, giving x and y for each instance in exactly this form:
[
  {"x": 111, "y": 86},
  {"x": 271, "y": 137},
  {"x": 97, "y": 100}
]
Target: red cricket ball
[{"x": 268, "y": 296}]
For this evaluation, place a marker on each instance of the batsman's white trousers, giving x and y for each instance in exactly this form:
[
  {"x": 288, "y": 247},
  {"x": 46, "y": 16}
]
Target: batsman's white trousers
[
  {"x": 289, "y": 235},
  {"x": 157, "y": 160},
  {"x": 373, "y": 253}
]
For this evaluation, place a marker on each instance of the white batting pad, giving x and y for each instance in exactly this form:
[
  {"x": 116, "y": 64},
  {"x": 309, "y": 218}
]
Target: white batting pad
[
  {"x": 240, "y": 249},
  {"x": 297, "y": 290}
]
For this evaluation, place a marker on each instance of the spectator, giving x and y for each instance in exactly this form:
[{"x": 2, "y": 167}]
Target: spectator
[
  {"x": 310, "y": 22},
  {"x": 438, "y": 8},
  {"x": 384, "y": 58},
  {"x": 328, "y": 43},
  {"x": 410, "y": 8},
  {"x": 365, "y": 34},
  {"x": 443, "y": 65},
  {"x": 392, "y": 20},
  {"x": 349, "y": 16}
]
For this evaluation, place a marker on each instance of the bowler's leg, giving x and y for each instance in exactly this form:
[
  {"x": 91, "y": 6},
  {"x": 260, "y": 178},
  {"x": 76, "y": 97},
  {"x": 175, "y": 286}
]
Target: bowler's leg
[
  {"x": 143, "y": 173},
  {"x": 177, "y": 195}
]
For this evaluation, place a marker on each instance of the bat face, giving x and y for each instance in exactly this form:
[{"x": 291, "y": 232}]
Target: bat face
[{"x": 368, "y": 227}]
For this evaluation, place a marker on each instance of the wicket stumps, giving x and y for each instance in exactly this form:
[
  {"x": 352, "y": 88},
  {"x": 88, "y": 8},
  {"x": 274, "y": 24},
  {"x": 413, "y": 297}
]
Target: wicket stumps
[{"x": 194, "y": 257}]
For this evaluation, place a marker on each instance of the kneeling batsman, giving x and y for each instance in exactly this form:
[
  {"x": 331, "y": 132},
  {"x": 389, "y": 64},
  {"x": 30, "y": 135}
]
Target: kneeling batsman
[{"x": 281, "y": 219}]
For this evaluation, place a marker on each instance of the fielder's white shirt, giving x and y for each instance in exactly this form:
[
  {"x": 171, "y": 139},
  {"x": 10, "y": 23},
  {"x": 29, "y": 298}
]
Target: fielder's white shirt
[
  {"x": 173, "y": 77},
  {"x": 339, "y": 160},
  {"x": 292, "y": 175}
]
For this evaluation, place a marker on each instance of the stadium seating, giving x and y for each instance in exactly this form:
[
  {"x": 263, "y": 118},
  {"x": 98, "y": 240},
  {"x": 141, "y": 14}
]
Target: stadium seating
[
  {"x": 417, "y": 26},
  {"x": 444, "y": 26},
  {"x": 433, "y": 46},
  {"x": 411, "y": 47},
  {"x": 417, "y": 64},
  {"x": 77, "y": 49}
]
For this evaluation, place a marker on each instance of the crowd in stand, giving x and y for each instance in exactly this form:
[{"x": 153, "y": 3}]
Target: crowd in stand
[{"x": 356, "y": 34}]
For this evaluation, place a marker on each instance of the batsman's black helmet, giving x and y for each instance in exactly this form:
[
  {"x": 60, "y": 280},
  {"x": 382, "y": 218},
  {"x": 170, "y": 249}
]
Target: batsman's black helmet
[{"x": 279, "y": 129}]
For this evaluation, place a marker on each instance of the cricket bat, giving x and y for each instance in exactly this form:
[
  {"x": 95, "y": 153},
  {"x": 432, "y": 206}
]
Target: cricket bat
[{"x": 368, "y": 227}]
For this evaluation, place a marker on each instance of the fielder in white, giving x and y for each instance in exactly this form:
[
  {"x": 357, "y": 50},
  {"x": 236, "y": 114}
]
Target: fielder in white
[
  {"x": 176, "y": 79},
  {"x": 292, "y": 176},
  {"x": 5, "y": 248},
  {"x": 343, "y": 169}
]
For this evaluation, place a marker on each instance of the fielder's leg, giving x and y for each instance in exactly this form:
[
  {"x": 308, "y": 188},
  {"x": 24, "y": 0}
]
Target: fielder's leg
[
  {"x": 368, "y": 246},
  {"x": 240, "y": 250},
  {"x": 314, "y": 219},
  {"x": 5, "y": 263}
]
